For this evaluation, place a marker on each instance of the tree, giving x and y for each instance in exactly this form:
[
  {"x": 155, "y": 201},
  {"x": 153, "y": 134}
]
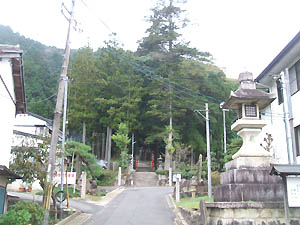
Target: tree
[
  {"x": 164, "y": 50},
  {"x": 30, "y": 160},
  {"x": 82, "y": 151},
  {"x": 122, "y": 140},
  {"x": 41, "y": 68}
]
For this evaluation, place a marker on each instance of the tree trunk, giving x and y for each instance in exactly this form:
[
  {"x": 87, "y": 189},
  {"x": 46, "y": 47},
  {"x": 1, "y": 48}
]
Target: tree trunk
[
  {"x": 94, "y": 143},
  {"x": 168, "y": 156},
  {"x": 107, "y": 141},
  {"x": 83, "y": 132},
  {"x": 98, "y": 149},
  {"x": 109, "y": 146},
  {"x": 167, "y": 160},
  {"x": 192, "y": 159},
  {"x": 103, "y": 145}
]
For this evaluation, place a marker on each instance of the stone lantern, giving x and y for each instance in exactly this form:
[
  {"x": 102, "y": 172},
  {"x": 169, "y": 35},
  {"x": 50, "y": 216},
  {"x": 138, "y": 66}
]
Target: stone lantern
[
  {"x": 247, "y": 101},
  {"x": 247, "y": 175}
]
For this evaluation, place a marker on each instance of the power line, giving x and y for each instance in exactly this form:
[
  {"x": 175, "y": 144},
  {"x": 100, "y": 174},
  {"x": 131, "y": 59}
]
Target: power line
[{"x": 174, "y": 83}]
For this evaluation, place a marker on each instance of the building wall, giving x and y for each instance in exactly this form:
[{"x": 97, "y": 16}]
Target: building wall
[
  {"x": 276, "y": 126},
  {"x": 8, "y": 111},
  {"x": 26, "y": 123}
]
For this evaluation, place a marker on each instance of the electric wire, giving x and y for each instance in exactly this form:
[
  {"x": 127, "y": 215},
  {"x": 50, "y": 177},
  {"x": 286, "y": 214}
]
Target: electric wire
[{"x": 215, "y": 101}]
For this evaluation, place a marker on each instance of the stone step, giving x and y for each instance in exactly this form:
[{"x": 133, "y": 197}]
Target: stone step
[{"x": 145, "y": 179}]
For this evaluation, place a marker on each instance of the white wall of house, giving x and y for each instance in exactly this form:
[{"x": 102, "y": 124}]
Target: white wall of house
[
  {"x": 8, "y": 111},
  {"x": 276, "y": 126},
  {"x": 29, "y": 124}
]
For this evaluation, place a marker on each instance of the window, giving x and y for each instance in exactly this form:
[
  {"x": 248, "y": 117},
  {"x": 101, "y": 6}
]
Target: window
[
  {"x": 250, "y": 111},
  {"x": 279, "y": 91},
  {"x": 297, "y": 68},
  {"x": 293, "y": 80},
  {"x": 294, "y": 76},
  {"x": 297, "y": 139},
  {"x": 240, "y": 113}
]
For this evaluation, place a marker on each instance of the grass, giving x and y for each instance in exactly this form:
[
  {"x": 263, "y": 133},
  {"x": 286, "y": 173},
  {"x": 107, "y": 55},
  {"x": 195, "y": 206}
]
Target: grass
[
  {"x": 190, "y": 203},
  {"x": 70, "y": 189},
  {"x": 96, "y": 197}
]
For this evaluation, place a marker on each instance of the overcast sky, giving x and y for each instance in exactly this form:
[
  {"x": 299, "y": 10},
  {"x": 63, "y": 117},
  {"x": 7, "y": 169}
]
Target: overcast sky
[{"x": 241, "y": 34}]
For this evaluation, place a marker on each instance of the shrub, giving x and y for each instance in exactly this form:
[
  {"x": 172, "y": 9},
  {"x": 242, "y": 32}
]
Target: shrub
[
  {"x": 57, "y": 189},
  {"x": 13, "y": 217},
  {"x": 23, "y": 213},
  {"x": 162, "y": 172},
  {"x": 215, "y": 178},
  {"x": 108, "y": 178}
]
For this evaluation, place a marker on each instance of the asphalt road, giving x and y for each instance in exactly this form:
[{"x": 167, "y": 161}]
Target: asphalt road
[{"x": 136, "y": 206}]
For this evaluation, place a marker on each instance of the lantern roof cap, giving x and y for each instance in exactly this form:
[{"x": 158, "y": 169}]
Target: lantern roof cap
[{"x": 248, "y": 94}]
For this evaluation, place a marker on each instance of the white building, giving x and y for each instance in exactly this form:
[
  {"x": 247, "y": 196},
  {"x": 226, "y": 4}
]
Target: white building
[
  {"x": 29, "y": 131},
  {"x": 288, "y": 60},
  {"x": 29, "y": 128},
  {"x": 13, "y": 102}
]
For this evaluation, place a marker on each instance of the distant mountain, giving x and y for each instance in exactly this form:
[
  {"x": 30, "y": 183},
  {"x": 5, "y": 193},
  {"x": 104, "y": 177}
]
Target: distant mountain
[{"x": 42, "y": 66}]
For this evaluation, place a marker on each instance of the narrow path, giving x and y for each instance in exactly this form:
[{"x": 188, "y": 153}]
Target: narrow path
[{"x": 136, "y": 206}]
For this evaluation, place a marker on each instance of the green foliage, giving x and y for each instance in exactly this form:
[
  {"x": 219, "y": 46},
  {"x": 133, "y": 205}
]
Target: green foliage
[
  {"x": 83, "y": 151},
  {"x": 30, "y": 162},
  {"x": 70, "y": 190},
  {"x": 124, "y": 160},
  {"x": 42, "y": 66},
  {"x": 162, "y": 172},
  {"x": 215, "y": 178},
  {"x": 186, "y": 171},
  {"x": 23, "y": 213},
  {"x": 192, "y": 203},
  {"x": 12, "y": 217},
  {"x": 112, "y": 85},
  {"x": 232, "y": 148},
  {"x": 121, "y": 137},
  {"x": 122, "y": 140},
  {"x": 108, "y": 178}
]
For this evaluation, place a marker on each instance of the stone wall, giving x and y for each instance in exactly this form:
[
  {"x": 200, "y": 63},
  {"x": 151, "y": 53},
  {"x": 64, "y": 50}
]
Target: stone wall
[
  {"x": 240, "y": 213},
  {"x": 190, "y": 217}
]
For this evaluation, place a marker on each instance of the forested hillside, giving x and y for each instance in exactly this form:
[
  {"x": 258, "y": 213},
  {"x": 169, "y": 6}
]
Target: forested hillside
[
  {"x": 154, "y": 90},
  {"x": 41, "y": 67}
]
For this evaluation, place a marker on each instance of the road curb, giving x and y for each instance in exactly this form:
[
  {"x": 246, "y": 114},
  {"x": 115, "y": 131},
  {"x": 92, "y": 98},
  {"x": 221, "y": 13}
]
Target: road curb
[
  {"x": 110, "y": 196},
  {"x": 69, "y": 218},
  {"x": 179, "y": 220}
]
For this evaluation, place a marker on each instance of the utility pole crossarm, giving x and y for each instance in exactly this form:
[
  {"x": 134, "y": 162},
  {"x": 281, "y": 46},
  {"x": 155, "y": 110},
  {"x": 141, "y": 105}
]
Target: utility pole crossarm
[{"x": 199, "y": 112}]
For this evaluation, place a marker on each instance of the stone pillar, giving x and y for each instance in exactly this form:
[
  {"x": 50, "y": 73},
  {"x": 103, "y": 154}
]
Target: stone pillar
[
  {"x": 199, "y": 169},
  {"x": 83, "y": 185},
  {"x": 177, "y": 190},
  {"x": 119, "y": 176},
  {"x": 170, "y": 176}
]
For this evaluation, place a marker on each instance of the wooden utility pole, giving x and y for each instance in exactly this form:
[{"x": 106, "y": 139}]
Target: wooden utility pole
[{"x": 56, "y": 121}]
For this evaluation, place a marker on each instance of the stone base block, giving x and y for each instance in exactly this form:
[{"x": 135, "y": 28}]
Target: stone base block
[
  {"x": 253, "y": 213},
  {"x": 249, "y": 162},
  {"x": 249, "y": 176},
  {"x": 248, "y": 192}
]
